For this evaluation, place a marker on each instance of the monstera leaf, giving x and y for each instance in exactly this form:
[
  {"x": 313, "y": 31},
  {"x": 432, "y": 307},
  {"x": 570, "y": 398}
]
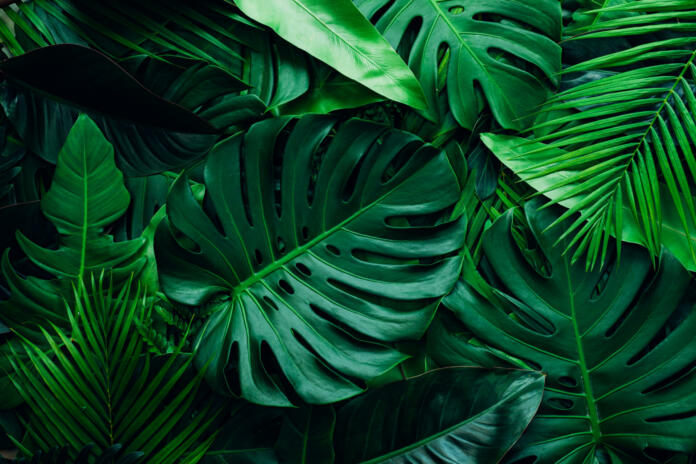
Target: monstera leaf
[
  {"x": 459, "y": 415},
  {"x": 615, "y": 344},
  {"x": 502, "y": 49},
  {"x": 87, "y": 194},
  {"x": 313, "y": 240},
  {"x": 43, "y": 96}
]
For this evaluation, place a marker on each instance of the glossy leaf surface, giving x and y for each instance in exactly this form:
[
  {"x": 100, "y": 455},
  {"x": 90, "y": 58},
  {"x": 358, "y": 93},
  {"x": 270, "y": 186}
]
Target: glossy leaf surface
[
  {"x": 615, "y": 344},
  {"x": 560, "y": 186},
  {"x": 502, "y": 49},
  {"x": 338, "y": 34},
  {"x": 463, "y": 415},
  {"x": 338, "y": 239}
]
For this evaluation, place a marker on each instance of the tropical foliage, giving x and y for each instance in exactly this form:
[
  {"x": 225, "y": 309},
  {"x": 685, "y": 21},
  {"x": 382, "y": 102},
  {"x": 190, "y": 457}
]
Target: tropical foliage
[{"x": 317, "y": 232}]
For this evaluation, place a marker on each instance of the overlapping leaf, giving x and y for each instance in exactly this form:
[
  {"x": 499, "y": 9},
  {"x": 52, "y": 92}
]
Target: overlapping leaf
[
  {"x": 100, "y": 386},
  {"x": 310, "y": 243},
  {"x": 499, "y": 52},
  {"x": 462, "y": 415},
  {"x": 87, "y": 195},
  {"x": 615, "y": 343},
  {"x": 42, "y": 97},
  {"x": 619, "y": 139},
  {"x": 339, "y": 35}
]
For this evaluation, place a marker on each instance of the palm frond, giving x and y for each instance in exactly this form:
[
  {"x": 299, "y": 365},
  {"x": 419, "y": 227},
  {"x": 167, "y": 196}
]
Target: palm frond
[
  {"x": 98, "y": 383},
  {"x": 624, "y": 140}
]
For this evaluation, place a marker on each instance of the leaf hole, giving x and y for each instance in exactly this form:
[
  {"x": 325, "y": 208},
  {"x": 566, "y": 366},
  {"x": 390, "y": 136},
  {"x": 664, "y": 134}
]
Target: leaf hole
[
  {"x": 305, "y": 233},
  {"x": 672, "y": 417},
  {"x": 351, "y": 183},
  {"x": 510, "y": 59},
  {"x": 337, "y": 323},
  {"x": 658, "y": 454},
  {"x": 270, "y": 303},
  {"x": 373, "y": 257},
  {"x": 672, "y": 380},
  {"x": 316, "y": 162},
  {"x": 285, "y": 285},
  {"x": 563, "y": 404},
  {"x": 232, "y": 370},
  {"x": 303, "y": 269},
  {"x": 399, "y": 160},
  {"x": 333, "y": 250},
  {"x": 381, "y": 11},
  {"x": 280, "y": 243},
  {"x": 567, "y": 381},
  {"x": 409, "y": 36},
  {"x": 274, "y": 372},
  {"x": 258, "y": 256},
  {"x": 244, "y": 187},
  {"x": 278, "y": 159},
  {"x": 456, "y": 10}
]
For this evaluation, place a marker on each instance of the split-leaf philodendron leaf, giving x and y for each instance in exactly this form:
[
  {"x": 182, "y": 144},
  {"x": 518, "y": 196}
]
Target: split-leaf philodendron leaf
[
  {"x": 615, "y": 344},
  {"x": 501, "y": 52},
  {"x": 314, "y": 239}
]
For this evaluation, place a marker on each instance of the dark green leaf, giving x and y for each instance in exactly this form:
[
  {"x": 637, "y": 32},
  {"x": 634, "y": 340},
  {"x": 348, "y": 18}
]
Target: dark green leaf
[
  {"x": 459, "y": 415},
  {"x": 614, "y": 343},
  {"x": 43, "y": 96},
  {"x": 307, "y": 246},
  {"x": 500, "y": 51}
]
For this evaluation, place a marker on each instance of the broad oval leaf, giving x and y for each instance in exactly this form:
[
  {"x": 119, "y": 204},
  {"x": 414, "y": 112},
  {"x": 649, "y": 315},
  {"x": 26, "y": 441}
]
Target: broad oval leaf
[
  {"x": 87, "y": 194},
  {"x": 615, "y": 343},
  {"x": 307, "y": 245},
  {"x": 458, "y": 415},
  {"x": 504, "y": 49},
  {"x": 43, "y": 96},
  {"x": 338, "y": 34}
]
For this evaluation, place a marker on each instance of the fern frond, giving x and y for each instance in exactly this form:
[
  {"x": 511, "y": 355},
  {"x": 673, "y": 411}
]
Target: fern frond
[
  {"x": 619, "y": 150},
  {"x": 98, "y": 383}
]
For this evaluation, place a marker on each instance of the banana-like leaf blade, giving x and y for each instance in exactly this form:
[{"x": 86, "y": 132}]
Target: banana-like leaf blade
[
  {"x": 338, "y": 34},
  {"x": 464, "y": 415}
]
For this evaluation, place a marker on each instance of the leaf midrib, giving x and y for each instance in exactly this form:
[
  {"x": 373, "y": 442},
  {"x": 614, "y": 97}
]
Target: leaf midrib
[
  {"x": 279, "y": 263},
  {"x": 642, "y": 139},
  {"x": 466, "y": 46},
  {"x": 351, "y": 46},
  {"x": 582, "y": 362},
  {"x": 85, "y": 214}
]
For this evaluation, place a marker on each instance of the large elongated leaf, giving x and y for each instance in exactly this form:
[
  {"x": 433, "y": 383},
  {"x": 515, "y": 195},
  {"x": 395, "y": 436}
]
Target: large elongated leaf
[
  {"x": 208, "y": 31},
  {"x": 460, "y": 415},
  {"x": 615, "y": 344},
  {"x": 504, "y": 49},
  {"x": 43, "y": 96},
  {"x": 339, "y": 35},
  {"x": 307, "y": 245}
]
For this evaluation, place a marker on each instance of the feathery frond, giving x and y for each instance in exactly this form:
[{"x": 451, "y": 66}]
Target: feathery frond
[
  {"x": 98, "y": 384},
  {"x": 625, "y": 141}
]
